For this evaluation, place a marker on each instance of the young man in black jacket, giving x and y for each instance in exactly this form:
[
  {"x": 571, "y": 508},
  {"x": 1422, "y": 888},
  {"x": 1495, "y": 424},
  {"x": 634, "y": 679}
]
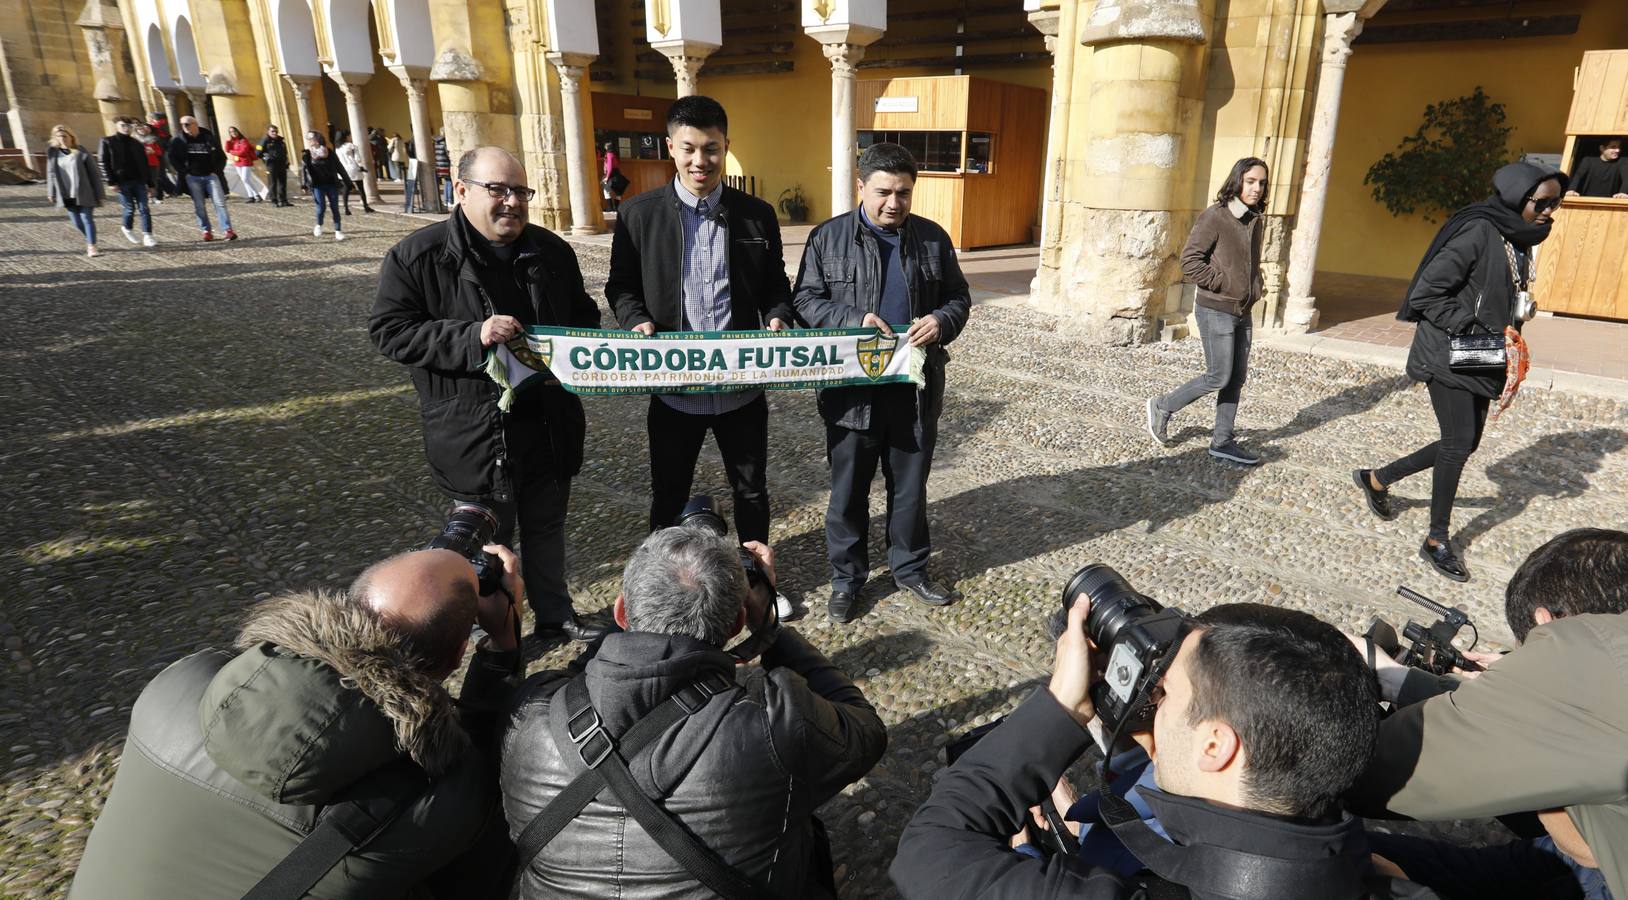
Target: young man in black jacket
[
  {"x": 1265, "y": 717},
  {"x": 878, "y": 266},
  {"x": 199, "y": 161},
  {"x": 695, "y": 255},
  {"x": 274, "y": 153},
  {"x": 450, "y": 292},
  {"x": 124, "y": 167}
]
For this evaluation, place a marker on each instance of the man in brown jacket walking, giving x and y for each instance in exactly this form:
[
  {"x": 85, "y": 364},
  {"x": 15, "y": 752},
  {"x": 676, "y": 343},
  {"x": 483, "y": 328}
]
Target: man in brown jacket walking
[
  {"x": 1541, "y": 730},
  {"x": 1223, "y": 259}
]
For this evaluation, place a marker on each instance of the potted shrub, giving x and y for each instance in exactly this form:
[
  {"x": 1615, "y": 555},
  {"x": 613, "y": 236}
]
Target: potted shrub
[{"x": 794, "y": 205}]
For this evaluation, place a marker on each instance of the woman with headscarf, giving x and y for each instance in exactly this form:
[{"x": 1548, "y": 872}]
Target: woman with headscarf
[
  {"x": 74, "y": 182},
  {"x": 1475, "y": 279},
  {"x": 323, "y": 171}
]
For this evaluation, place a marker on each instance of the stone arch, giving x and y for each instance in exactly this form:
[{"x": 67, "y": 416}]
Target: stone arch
[
  {"x": 296, "y": 38},
  {"x": 413, "y": 40},
  {"x": 189, "y": 72},
  {"x": 348, "y": 32},
  {"x": 158, "y": 59}
]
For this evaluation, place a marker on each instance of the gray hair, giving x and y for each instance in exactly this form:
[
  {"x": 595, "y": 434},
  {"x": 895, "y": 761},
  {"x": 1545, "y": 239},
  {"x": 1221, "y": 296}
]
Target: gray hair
[{"x": 685, "y": 581}]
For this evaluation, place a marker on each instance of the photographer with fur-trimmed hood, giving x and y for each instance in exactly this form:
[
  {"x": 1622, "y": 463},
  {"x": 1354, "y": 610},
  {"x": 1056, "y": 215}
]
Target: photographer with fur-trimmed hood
[{"x": 324, "y": 755}]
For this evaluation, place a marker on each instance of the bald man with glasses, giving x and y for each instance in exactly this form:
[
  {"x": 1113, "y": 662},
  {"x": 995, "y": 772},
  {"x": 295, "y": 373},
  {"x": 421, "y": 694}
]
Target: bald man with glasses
[{"x": 448, "y": 294}]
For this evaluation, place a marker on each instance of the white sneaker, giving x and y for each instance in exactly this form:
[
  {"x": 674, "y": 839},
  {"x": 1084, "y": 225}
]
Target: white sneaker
[
  {"x": 788, "y": 609},
  {"x": 316, "y": 231},
  {"x": 147, "y": 241},
  {"x": 90, "y": 250},
  {"x": 130, "y": 235},
  {"x": 339, "y": 235}
]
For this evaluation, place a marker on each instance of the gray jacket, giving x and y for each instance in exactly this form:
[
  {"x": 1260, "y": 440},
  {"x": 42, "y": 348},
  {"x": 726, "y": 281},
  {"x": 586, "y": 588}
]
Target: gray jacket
[
  {"x": 840, "y": 280},
  {"x": 744, "y": 774},
  {"x": 57, "y": 188}
]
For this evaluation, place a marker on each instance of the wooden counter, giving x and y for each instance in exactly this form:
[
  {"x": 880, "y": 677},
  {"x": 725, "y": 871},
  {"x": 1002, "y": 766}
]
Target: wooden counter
[
  {"x": 644, "y": 174},
  {"x": 1583, "y": 266}
]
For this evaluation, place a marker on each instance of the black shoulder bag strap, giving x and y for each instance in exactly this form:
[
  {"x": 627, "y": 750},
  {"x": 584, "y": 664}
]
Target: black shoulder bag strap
[
  {"x": 607, "y": 767},
  {"x": 342, "y": 828},
  {"x": 1230, "y": 873}
]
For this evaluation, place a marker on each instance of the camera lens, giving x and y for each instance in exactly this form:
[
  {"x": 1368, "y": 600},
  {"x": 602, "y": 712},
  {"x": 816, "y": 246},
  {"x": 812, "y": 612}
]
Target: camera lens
[
  {"x": 698, "y": 513},
  {"x": 1113, "y": 602},
  {"x": 469, "y": 528}
]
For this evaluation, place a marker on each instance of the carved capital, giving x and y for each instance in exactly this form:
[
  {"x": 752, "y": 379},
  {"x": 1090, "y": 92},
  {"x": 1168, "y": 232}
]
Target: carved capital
[
  {"x": 571, "y": 66},
  {"x": 1046, "y": 22},
  {"x": 843, "y": 57},
  {"x": 1141, "y": 20},
  {"x": 455, "y": 65},
  {"x": 219, "y": 84},
  {"x": 1339, "y": 31},
  {"x": 301, "y": 85}
]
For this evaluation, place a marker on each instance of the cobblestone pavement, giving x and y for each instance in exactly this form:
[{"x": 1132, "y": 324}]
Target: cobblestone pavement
[{"x": 191, "y": 429}]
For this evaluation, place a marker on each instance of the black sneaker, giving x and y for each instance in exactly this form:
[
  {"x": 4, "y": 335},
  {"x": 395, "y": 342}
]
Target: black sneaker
[
  {"x": 1445, "y": 561},
  {"x": 1379, "y": 501},
  {"x": 1231, "y": 451},
  {"x": 1158, "y": 420}
]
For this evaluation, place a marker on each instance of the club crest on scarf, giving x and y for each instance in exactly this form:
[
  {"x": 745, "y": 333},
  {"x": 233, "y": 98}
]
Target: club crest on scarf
[
  {"x": 537, "y": 356},
  {"x": 875, "y": 353}
]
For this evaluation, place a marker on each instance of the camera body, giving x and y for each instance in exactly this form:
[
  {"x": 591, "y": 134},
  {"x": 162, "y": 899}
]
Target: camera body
[
  {"x": 1140, "y": 638},
  {"x": 468, "y": 528},
  {"x": 700, "y": 513},
  {"x": 1429, "y": 647}
]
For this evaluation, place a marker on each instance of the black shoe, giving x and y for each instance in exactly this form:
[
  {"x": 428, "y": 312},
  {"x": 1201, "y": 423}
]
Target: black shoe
[
  {"x": 930, "y": 592},
  {"x": 1445, "y": 560},
  {"x": 1378, "y": 501},
  {"x": 572, "y": 628},
  {"x": 841, "y": 607},
  {"x": 1232, "y": 451}
]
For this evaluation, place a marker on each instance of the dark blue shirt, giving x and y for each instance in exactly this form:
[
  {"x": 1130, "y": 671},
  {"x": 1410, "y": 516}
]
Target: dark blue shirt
[{"x": 895, "y": 306}]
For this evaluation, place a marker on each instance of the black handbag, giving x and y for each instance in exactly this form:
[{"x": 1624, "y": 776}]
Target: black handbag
[{"x": 1484, "y": 353}]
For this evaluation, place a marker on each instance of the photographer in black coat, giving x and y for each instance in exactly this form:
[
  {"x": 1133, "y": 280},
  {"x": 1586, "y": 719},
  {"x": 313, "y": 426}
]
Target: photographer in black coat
[
  {"x": 1475, "y": 279},
  {"x": 448, "y": 294},
  {"x": 1267, "y": 716}
]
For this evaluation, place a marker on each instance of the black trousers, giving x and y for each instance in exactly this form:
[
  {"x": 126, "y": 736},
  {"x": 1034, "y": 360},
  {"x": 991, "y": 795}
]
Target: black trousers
[
  {"x": 538, "y": 507},
  {"x": 278, "y": 178},
  {"x": 1462, "y": 417},
  {"x": 906, "y": 461},
  {"x": 743, "y": 440}
]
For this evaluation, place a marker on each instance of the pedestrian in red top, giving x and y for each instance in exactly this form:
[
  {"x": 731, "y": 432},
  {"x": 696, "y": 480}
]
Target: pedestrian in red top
[{"x": 240, "y": 154}]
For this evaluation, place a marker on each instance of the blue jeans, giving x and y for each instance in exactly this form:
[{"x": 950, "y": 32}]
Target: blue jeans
[
  {"x": 200, "y": 186},
  {"x": 1227, "y": 339},
  {"x": 328, "y": 195},
  {"x": 446, "y": 189},
  {"x": 84, "y": 219},
  {"x": 133, "y": 195}
]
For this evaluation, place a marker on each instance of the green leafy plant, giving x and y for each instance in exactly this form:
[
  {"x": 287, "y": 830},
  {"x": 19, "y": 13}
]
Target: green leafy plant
[
  {"x": 1448, "y": 162},
  {"x": 794, "y": 204}
]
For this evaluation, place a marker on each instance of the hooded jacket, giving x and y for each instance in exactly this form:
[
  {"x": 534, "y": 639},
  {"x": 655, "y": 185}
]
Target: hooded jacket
[
  {"x": 956, "y": 846},
  {"x": 427, "y": 316},
  {"x": 230, "y": 760},
  {"x": 1464, "y": 283},
  {"x": 744, "y": 774}
]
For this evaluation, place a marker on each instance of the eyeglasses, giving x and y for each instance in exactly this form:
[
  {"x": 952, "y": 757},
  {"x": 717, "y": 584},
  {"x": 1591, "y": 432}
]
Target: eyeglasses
[
  {"x": 500, "y": 191},
  {"x": 1544, "y": 205}
]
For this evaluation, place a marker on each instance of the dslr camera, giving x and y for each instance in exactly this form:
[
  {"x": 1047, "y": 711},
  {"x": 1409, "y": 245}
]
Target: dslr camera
[
  {"x": 700, "y": 513},
  {"x": 470, "y": 527},
  {"x": 1140, "y": 638}
]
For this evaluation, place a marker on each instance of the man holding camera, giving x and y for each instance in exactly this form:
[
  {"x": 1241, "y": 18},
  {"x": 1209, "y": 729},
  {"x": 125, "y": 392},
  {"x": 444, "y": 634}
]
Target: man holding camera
[
  {"x": 1540, "y": 730},
  {"x": 713, "y": 770},
  {"x": 1265, "y": 716},
  {"x": 448, "y": 294},
  {"x": 325, "y": 756}
]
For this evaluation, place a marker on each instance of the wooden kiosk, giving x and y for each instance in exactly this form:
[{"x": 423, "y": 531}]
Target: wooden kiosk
[
  {"x": 1583, "y": 266},
  {"x": 980, "y": 146},
  {"x": 636, "y": 126}
]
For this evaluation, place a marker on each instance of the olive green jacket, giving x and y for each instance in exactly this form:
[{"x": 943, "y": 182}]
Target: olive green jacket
[
  {"x": 231, "y": 759},
  {"x": 1545, "y": 727}
]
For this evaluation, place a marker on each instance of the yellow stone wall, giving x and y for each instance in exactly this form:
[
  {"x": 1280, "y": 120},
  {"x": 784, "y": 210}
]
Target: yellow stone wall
[
  {"x": 1387, "y": 87},
  {"x": 50, "y": 78}
]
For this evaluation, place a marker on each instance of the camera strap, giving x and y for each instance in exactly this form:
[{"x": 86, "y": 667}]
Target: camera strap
[
  {"x": 604, "y": 762},
  {"x": 1224, "y": 872}
]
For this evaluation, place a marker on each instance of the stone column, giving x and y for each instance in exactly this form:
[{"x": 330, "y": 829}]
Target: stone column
[
  {"x": 350, "y": 84},
  {"x": 104, "y": 44},
  {"x": 1300, "y": 313},
  {"x": 844, "y": 140},
  {"x": 687, "y": 58},
  {"x": 200, "y": 110},
  {"x": 1047, "y": 22},
  {"x": 578, "y": 158},
  {"x": 416, "y": 82},
  {"x": 301, "y": 85},
  {"x": 170, "y": 110}
]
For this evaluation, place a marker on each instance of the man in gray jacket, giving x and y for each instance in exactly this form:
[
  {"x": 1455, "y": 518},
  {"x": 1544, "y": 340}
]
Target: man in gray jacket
[
  {"x": 756, "y": 751},
  {"x": 1541, "y": 730}
]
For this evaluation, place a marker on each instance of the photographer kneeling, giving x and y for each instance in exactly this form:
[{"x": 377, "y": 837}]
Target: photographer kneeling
[
  {"x": 325, "y": 756},
  {"x": 656, "y": 767},
  {"x": 1267, "y": 716}
]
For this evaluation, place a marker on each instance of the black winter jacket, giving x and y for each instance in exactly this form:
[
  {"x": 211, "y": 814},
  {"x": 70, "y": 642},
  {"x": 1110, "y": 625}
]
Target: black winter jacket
[
  {"x": 428, "y": 316},
  {"x": 1465, "y": 287},
  {"x": 839, "y": 280},
  {"x": 274, "y": 152},
  {"x": 199, "y": 155},
  {"x": 124, "y": 160},
  {"x": 647, "y": 262},
  {"x": 324, "y": 172},
  {"x": 957, "y": 847},
  {"x": 744, "y": 774}
]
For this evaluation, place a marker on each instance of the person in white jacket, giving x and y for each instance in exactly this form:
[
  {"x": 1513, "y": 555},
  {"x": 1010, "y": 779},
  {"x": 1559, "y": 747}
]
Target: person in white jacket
[{"x": 354, "y": 165}]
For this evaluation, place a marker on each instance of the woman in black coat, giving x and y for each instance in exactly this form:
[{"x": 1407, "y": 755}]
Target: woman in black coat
[{"x": 1475, "y": 279}]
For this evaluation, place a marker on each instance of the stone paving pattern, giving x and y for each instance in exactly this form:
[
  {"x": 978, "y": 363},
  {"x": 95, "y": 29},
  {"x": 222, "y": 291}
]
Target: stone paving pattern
[{"x": 192, "y": 429}]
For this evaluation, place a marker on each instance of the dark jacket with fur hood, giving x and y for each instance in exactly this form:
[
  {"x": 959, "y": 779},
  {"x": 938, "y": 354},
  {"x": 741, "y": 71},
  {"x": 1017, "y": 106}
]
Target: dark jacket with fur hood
[{"x": 230, "y": 760}]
